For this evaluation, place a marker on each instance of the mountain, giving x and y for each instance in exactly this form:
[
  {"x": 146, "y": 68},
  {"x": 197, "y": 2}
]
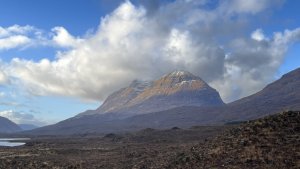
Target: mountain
[
  {"x": 283, "y": 94},
  {"x": 176, "y": 89},
  {"x": 7, "y": 126},
  {"x": 27, "y": 126}
]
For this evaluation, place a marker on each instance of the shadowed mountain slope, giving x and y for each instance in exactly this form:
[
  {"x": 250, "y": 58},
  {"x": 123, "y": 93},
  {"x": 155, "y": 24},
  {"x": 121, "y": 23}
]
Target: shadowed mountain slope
[{"x": 7, "y": 126}]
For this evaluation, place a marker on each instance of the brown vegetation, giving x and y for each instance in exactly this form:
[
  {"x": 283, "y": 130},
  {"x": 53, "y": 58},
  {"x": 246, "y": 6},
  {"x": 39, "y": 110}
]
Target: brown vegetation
[{"x": 271, "y": 142}]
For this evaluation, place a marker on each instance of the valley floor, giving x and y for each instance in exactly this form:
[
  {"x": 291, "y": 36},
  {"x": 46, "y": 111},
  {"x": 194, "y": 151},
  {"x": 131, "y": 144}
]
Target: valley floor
[
  {"x": 271, "y": 142},
  {"x": 148, "y": 148}
]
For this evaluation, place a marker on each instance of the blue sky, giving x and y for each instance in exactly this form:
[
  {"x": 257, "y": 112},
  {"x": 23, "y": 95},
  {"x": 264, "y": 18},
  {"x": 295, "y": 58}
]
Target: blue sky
[{"x": 71, "y": 55}]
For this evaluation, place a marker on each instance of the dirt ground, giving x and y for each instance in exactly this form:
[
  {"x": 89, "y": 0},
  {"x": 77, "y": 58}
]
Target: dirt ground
[
  {"x": 148, "y": 148},
  {"x": 270, "y": 142}
]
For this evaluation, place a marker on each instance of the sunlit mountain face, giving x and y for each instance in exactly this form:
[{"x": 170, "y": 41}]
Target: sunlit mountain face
[{"x": 176, "y": 89}]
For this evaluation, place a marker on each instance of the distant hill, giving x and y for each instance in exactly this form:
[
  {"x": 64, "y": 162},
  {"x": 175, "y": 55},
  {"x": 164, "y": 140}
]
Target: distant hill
[
  {"x": 28, "y": 126},
  {"x": 7, "y": 126},
  {"x": 270, "y": 142},
  {"x": 283, "y": 94}
]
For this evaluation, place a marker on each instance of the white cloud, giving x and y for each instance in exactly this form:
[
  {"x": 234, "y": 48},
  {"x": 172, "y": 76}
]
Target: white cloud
[
  {"x": 254, "y": 63},
  {"x": 3, "y": 76},
  {"x": 131, "y": 43},
  {"x": 64, "y": 39},
  {"x": 15, "y": 29},
  {"x": 13, "y": 42},
  {"x": 127, "y": 45},
  {"x": 21, "y": 118},
  {"x": 250, "y": 6},
  {"x": 16, "y": 36},
  {"x": 94, "y": 68},
  {"x": 258, "y": 35}
]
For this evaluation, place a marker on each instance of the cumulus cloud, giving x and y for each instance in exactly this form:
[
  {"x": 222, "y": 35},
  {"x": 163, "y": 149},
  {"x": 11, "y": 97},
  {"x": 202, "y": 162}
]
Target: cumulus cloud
[
  {"x": 15, "y": 29},
  {"x": 63, "y": 38},
  {"x": 258, "y": 35},
  {"x": 127, "y": 45},
  {"x": 147, "y": 42},
  {"x": 13, "y": 42},
  {"x": 249, "y": 6},
  {"x": 15, "y": 36},
  {"x": 21, "y": 118},
  {"x": 3, "y": 78},
  {"x": 254, "y": 62},
  {"x": 3, "y": 75}
]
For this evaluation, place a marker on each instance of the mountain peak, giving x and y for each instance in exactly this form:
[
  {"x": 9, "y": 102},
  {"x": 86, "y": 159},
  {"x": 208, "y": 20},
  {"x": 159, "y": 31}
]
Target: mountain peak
[
  {"x": 183, "y": 75},
  {"x": 180, "y": 73},
  {"x": 181, "y": 80}
]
